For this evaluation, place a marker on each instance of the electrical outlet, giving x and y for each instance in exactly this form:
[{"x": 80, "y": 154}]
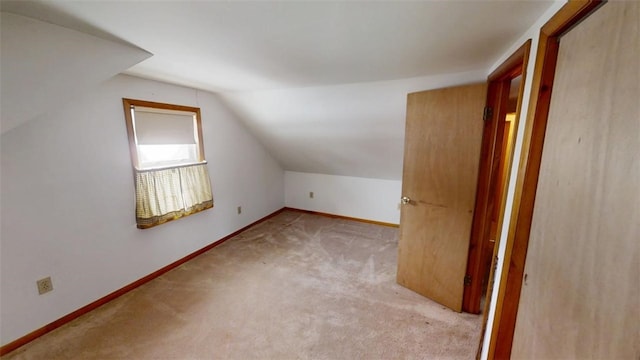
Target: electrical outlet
[
  {"x": 44, "y": 285},
  {"x": 239, "y": 210},
  {"x": 311, "y": 194}
]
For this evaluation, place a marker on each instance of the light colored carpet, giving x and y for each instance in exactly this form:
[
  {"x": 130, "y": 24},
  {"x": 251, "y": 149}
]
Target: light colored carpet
[{"x": 297, "y": 286}]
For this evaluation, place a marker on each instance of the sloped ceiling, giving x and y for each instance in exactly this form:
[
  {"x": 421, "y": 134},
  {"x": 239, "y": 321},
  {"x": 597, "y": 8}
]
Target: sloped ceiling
[
  {"x": 353, "y": 129},
  {"x": 322, "y": 84},
  {"x": 44, "y": 65}
]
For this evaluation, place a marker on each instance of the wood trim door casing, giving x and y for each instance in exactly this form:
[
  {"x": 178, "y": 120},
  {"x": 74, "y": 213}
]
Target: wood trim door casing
[
  {"x": 499, "y": 83},
  {"x": 527, "y": 181}
]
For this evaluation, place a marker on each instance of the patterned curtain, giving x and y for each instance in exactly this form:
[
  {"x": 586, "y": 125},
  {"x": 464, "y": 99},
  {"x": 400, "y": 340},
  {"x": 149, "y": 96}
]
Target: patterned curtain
[{"x": 168, "y": 194}]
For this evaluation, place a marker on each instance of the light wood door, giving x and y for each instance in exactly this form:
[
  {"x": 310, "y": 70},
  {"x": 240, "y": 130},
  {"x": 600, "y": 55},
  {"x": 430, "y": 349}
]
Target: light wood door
[
  {"x": 580, "y": 297},
  {"x": 441, "y": 157}
]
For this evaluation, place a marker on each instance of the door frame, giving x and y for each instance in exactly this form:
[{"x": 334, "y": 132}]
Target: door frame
[
  {"x": 491, "y": 158},
  {"x": 527, "y": 181}
]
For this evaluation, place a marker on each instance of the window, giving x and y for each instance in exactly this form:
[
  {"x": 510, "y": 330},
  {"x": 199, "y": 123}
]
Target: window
[{"x": 167, "y": 154}]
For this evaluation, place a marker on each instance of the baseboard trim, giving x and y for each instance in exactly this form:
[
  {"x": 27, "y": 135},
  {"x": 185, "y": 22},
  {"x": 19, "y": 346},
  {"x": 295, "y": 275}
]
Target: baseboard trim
[
  {"x": 96, "y": 304},
  {"x": 344, "y": 217}
]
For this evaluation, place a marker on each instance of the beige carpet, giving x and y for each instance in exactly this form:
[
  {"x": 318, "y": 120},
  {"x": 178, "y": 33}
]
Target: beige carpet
[{"x": 297, "y": 286}]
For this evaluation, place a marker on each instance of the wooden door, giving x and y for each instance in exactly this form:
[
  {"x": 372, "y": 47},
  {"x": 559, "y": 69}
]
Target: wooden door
[
  {"x": 442, "y": 151},
  {"x": 580, "y": 296}
]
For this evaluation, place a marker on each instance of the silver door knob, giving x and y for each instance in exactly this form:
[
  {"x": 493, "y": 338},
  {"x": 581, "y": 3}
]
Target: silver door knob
[{"x": 405, "y": 200}]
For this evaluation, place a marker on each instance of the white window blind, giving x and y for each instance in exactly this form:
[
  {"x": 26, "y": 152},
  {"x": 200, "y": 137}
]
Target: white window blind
[{"x": 164, "y": 127}]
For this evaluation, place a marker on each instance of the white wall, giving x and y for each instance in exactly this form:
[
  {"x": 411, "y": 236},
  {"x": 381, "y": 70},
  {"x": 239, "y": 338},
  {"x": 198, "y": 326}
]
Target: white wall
[
  {"x": 67, "y": 207},
  {"x": 533, "y": 33},
  {"x": 370, "y": 199}
]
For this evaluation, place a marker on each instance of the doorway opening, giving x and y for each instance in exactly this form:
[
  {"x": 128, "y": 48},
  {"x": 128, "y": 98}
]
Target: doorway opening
[
  {"x": 504, "y": 97},
  {"x": 505, "y": 146}
]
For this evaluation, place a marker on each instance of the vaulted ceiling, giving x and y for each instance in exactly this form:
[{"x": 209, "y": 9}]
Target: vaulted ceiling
[{"x": 321, "y": 84}]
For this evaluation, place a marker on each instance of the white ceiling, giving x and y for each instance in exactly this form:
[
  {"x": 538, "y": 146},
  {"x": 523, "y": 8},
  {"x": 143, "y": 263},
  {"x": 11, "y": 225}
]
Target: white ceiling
[
  {"x": 352, "y": 129},
  {"x": 44, "y": 65},
  {"x": 243, "y": 48}
]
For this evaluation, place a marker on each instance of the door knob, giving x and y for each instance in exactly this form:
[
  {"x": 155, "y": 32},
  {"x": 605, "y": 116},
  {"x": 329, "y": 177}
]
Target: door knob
[{"x": 405, "y": 200}]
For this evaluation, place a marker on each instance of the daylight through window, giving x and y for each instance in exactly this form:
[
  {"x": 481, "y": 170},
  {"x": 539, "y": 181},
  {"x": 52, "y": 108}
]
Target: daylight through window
[{"x": 171, "y": 174}]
